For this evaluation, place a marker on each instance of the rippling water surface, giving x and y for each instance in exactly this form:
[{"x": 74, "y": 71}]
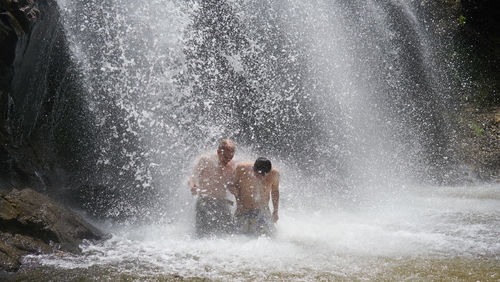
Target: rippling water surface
[{"x": 447, "y": 233}]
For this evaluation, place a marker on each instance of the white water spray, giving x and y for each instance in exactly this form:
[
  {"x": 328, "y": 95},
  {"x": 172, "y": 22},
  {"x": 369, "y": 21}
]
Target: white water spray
[{"x": 341, "y": 95}]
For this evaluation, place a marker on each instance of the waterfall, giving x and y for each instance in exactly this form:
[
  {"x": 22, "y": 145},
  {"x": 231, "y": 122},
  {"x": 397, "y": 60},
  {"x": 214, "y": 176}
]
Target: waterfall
[{"x": 344, "y": 94}]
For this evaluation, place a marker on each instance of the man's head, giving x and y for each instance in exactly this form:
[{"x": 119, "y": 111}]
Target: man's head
[
  {"x": 225, "y": 151},
  {"x": 262, "y": 166}
]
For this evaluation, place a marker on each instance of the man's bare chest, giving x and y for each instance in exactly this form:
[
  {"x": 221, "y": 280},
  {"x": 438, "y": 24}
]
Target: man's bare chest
[
  {"x": 217, "y": 175},
  {"x": 253, "y": 185}
]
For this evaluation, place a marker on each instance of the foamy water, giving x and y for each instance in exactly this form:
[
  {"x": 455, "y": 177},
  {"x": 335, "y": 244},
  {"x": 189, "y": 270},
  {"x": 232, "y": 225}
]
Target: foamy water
[{"x": 429, "y": 224}]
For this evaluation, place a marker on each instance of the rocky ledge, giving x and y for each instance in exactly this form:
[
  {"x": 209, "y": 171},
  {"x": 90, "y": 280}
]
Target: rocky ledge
[
  {"x": 479, "y": 142},
  {"x": 31, "y": 223}
]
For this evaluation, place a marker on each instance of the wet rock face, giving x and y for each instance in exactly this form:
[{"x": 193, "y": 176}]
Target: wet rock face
[
  {"x": 479, "y": 146},
  {"x": 32, "y": 223},
  {"x": 44, "y": 120},
  {"x": 17, "y": 19}
]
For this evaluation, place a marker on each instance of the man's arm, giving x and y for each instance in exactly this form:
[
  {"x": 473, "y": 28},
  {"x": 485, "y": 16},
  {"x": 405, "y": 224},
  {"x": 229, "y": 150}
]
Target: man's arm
[
  {"x": 192, "y": 184},
  {"x": 232, "y": 188},
  {"x": 275, "y": 195}
]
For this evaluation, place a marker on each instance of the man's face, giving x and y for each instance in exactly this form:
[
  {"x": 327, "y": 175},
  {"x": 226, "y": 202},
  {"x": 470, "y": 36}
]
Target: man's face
[{"x": 225, "y": 154}]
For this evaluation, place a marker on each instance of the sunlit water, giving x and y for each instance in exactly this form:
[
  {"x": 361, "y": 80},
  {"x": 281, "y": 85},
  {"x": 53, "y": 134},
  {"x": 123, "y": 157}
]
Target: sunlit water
[{"x": 425, "y": 233}]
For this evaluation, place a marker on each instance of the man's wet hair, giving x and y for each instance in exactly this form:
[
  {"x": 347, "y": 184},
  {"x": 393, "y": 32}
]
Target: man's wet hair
[
  {"x": 262, "y": 165},
  {"x": 224, "y": 143}
]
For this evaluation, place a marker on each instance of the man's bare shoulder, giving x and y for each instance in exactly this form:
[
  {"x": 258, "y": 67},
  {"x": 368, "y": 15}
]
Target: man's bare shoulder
[
  {"x": 244, "y": 167},
  {"x": 202, "y": 160},
  {"x": 275, "y": 174},
  {"x": 205, "y": 160},
  {"x": 207, "y": 157}
]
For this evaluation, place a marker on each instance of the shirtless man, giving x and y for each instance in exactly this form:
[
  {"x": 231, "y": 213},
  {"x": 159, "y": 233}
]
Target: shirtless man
[
  {"x": 212, "y": 176},
  {"x": 254, "y": 183}
]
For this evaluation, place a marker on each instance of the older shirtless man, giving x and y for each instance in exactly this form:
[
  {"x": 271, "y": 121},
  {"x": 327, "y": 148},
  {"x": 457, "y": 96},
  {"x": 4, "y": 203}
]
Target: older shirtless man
[
  {"x": 213, "y": 175},
  {"x": 254, "y": 183}
]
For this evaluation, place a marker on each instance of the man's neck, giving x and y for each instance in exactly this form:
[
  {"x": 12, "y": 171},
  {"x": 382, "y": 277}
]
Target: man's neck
[
  {"x": 258, "y": 175},
  {"x": 222, "y": 165}
]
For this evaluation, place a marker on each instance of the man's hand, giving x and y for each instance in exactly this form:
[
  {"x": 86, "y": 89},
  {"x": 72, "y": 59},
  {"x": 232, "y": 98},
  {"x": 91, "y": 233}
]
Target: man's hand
[
  {"x": 194, "y": 189},
  {"x": 275, "y": 216}
]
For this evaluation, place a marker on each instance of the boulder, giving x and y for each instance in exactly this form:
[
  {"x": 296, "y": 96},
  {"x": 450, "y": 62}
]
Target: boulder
[{"x": 31, "y": 223}]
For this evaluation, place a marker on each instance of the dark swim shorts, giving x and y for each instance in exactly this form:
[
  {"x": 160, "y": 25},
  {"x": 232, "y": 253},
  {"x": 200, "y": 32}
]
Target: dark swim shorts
[
  {"x": 255, "y": 222},
  {"x": 213, "y": 216}
]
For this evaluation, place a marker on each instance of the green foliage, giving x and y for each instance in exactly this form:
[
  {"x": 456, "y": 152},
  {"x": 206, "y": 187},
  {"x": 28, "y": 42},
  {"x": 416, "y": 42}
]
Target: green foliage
[
  {"x": 462, "y": 20},
  {"x": 478, "y": 130}
]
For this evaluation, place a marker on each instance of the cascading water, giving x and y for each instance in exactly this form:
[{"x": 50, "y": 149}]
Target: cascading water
[
  {"x": 348, "y": 98},
  {"x": 339, "y": 89}
]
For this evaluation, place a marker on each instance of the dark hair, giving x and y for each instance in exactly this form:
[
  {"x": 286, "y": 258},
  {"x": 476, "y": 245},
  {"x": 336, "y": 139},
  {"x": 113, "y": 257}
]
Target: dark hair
[{"x": 262, "y": 165}]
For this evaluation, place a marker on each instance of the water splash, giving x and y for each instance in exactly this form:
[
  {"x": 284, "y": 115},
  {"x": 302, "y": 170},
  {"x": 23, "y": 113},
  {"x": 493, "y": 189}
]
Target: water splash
[
  {"x": 448, "y": 233},
  {"x": 350, "y": 95}
]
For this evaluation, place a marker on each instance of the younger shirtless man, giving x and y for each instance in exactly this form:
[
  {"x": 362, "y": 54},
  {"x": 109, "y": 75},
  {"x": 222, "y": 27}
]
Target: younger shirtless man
[
  {"x": 254, "y": 183},
  {"x": 212, "y": 176}
]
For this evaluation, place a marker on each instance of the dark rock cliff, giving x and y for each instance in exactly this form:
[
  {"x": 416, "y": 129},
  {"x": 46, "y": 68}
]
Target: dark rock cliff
[
  {"x": 480, "y": 39},
  {"x": 478, "y": 48},
  {"x": 42, "y": 133},
  {"x": 473, "y": 30},
  {"x": 49, "y": 139},
  {"x": 44, "y": 136}
]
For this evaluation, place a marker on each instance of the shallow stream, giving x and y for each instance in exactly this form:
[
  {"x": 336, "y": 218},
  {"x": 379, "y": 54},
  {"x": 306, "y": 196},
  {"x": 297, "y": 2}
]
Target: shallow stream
[{"x": 428, "y": 233}]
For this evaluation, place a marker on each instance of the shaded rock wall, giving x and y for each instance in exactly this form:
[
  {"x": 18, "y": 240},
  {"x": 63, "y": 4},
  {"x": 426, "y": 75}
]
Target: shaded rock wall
[
  {"x": 479, "y": 143},
  {"x": 472, "y": 27},
  {"x": 474, "y": 30},
  {"x": 15, "y": 23},
  {"x": 478, "y": 47},
  {"x": 480, "y": 43},
  {"x": 45, "y": 137},
  {"x": 49, "y": 138}
]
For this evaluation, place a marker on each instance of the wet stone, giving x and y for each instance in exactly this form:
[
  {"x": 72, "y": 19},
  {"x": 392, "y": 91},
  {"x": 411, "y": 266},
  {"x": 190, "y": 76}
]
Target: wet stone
[{"x": 31, "y": 223}]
